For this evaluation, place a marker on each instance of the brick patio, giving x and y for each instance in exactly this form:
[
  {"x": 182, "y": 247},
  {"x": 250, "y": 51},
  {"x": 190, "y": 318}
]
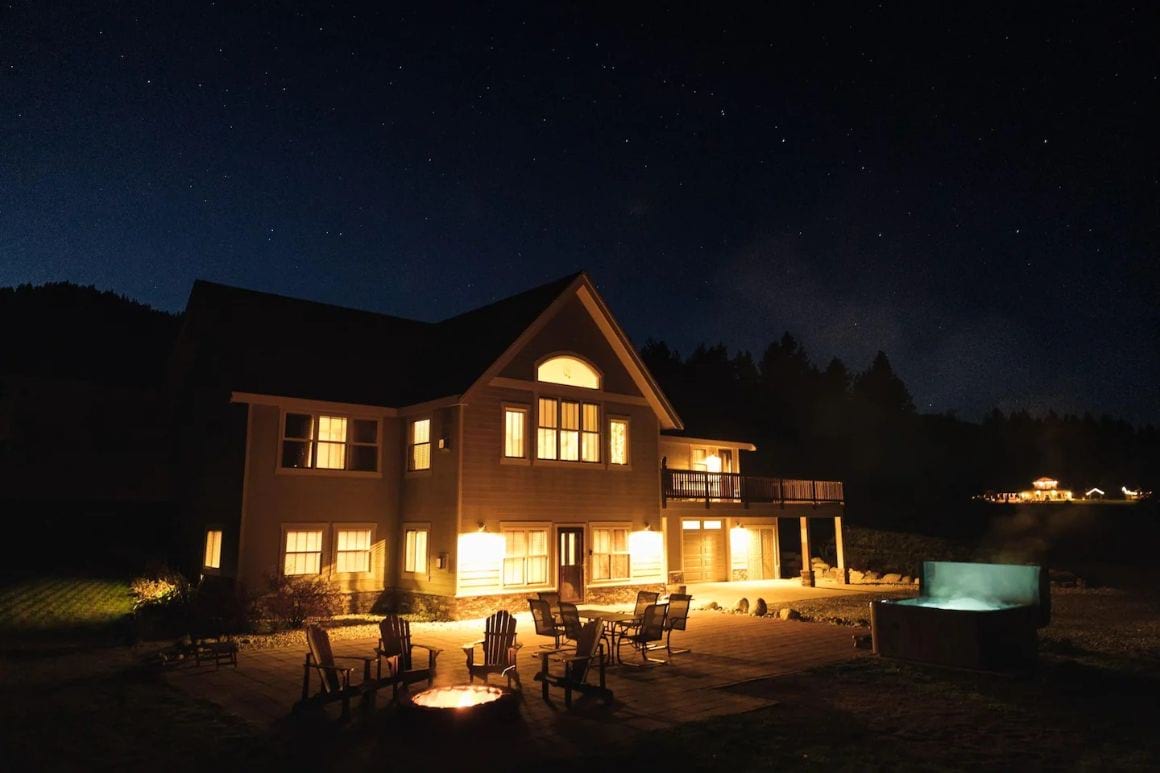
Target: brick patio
[{"x": 727, "y": 672}]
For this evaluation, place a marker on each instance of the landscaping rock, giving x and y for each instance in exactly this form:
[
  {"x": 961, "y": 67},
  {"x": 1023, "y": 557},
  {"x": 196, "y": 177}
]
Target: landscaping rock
[
  {"x": 786, "y": 613},
  {"x": 856, "y": 576},
  {"x": 712, "y": 605},
  {"x": 872, "y": 576},
  {"x": 906, "y": 580},
  {"x": 742, "y": 606},
  {"x": 893, "y": 578},
  {"x": 760, "y": 609}
]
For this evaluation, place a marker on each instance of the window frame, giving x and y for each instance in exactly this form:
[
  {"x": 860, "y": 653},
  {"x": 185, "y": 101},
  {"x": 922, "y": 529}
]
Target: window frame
[
  {"x": 530, "y": 526},
  {"x": 610, "y": 526},
  {"x": 287, "y": 528},
  {"x": 557, "y": 431},
  {"x": 206, "y": 567},
  {"x": 596, "y": 372},
  {"x": 412, "y": 421},
  {"x": 370, "y": 551},
  {"x": 526, "y": 410},
  {"x": 314, "y": 414},
  {"x": 627, "y": 422},
  {"x": 416, "y": 527}
]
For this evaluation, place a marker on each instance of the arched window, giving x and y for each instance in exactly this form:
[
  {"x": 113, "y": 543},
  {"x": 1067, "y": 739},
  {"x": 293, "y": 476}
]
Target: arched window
[{"x": 571, "y": 371}]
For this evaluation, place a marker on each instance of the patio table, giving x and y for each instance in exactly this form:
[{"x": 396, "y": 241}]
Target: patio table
[{"x": 614, "y": 624}]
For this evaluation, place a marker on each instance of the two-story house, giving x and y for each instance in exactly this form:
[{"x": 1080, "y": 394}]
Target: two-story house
[{"x": 518, "y": 447}]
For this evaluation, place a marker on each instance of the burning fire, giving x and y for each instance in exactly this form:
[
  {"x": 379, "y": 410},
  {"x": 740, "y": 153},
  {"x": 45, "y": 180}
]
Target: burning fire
[{"x": 459, "y": 697}]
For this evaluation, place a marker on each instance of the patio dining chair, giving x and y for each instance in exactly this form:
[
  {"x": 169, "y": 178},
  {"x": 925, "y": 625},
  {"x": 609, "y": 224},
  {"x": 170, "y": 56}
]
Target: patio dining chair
[
  {"x": 553, "y": 599},
  {"x": 334, "y": 680},
  {"x": 647, "y": 636},
  {"x": 676, "y": 619},
  {"x": 396, "y": 647},
  {"x": 545, "y": 623},
  {"x": 498, "y": 647}
]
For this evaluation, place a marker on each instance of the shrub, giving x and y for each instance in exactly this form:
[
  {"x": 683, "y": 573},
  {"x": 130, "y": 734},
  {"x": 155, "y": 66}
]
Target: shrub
[
  {"x": 294, "y": 601},
  {"x": 159, "y": 587}
]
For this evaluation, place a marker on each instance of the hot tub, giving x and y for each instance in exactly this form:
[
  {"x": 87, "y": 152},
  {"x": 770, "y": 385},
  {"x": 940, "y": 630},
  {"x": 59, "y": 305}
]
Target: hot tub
[{"x": 980, "y": 616}]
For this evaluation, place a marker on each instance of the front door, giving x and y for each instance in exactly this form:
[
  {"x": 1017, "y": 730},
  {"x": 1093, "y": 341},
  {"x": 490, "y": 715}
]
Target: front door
[{"x": 571, "y": 552}]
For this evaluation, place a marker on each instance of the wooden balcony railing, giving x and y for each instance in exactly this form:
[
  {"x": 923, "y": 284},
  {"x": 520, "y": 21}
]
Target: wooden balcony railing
[{"x": 712, "y": 487}]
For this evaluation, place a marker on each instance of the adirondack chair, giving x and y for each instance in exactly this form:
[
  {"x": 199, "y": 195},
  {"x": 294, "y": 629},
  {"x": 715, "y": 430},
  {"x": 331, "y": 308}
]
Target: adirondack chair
[
  {"x": 545, "y": 623},
  {"x": 395, "y": 646},
  {"x": 676, "y": 619},
  {"x": 334, "y": 680},
  {"x": 499, "y": 649},
  {"x": 577, "y": 666},
  {"x": 646, "y": 636}
]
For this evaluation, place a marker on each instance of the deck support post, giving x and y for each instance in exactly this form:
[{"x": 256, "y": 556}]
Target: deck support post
[
  {"x": 807, "y": 567},
  {"x": 840, "y": 549}
]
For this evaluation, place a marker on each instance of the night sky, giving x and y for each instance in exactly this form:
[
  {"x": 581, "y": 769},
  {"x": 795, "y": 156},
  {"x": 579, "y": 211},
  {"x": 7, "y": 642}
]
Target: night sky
[{"x": 974, "y": 189}]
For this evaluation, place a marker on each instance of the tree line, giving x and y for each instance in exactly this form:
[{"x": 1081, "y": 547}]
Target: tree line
[{"x": 901, "y": 467}]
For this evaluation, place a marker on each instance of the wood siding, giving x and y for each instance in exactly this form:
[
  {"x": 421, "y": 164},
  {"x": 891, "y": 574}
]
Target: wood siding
[{"x": 276, "y": 498}]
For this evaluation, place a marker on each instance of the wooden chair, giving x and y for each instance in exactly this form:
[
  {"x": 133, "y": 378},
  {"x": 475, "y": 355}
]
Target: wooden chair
[
  {"x": 577, "y": 666},
  {"x": 676, "y": 619},
  {"x": 334, "y": 680},
  {"x": 395, "y": 646},
  {"x": 647, "y": 635},
  {"x": 499, "y": 650}
]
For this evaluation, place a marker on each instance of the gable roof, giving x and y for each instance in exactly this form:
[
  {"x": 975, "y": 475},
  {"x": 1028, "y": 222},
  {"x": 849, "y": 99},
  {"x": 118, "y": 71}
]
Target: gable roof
[{"x": 249, "y": 341}]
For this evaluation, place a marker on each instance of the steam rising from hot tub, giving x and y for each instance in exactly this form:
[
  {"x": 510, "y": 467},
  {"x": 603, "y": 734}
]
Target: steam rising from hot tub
[{"x": 968, "y": 615}]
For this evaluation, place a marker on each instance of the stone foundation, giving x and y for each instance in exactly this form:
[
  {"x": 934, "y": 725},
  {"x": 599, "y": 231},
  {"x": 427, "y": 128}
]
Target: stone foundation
[{"x": 471, "y": 607}]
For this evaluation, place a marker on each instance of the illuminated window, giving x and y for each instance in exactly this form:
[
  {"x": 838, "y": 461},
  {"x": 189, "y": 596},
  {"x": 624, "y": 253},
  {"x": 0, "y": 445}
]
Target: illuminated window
[
  {"x": 525, "y": 559},
  {"x": 548, "y": 423},
  {"x": 419, "y": 454},
  {"x": 515, "y": 422},
  {"x": 415, "y": 551},
  {"x": 571, "y": 371},
  {"x": 690, "y": 525},
  {"x": 327, "y": 442},
  {"x": 567, "y": 430},
  {"x": 618, "y": 441},
  {"x": 303, "y": 552},
  {"x": 610, "y": 553},
  {"x": 213, "y": 550},
  {"x": 353, "y": 550}
]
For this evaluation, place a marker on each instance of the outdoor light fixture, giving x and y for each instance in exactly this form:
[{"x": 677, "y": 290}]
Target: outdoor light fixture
[{"x": 481, "y": 526}]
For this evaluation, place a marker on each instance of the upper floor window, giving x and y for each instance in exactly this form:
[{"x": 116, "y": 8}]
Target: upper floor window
[
  {"x": 328, "y": 442},
  {"x": 419, "y": 445},
  {"x": 568, "y": 430},
  {"x": 515, "y": 420},
  {"x": 570, "y": 371},
  {"x": 618, "y": 441},
  {"x": 213, "y": 549}
]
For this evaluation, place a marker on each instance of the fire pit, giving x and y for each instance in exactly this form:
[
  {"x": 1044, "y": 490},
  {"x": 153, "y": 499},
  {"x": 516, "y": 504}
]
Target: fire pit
[
  {"x": 980, "y": 616},
  {"x": 465, "y": 703}
]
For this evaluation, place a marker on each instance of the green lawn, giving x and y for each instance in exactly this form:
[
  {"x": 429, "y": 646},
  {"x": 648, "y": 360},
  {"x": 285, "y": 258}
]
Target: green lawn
[{"x": 52, "y": 606}]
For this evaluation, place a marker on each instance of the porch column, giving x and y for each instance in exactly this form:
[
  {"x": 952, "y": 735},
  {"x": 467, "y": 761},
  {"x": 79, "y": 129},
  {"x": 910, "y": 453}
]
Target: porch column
[
  {"x": 807, "y": 568},
  {"x": 840, "y": 548}
]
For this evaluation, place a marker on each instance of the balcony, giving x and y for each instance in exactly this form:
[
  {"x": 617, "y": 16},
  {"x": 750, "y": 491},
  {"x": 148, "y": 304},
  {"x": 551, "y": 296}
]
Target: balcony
[{"x": 732, "y": 487}]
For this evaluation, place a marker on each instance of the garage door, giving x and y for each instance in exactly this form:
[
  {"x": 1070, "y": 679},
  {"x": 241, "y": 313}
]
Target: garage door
[{"x": 704, "y": 550}]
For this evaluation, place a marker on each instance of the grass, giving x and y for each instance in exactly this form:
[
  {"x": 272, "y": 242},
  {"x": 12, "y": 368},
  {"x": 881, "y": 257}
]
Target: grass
[{"x": 48, "y": 606}]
